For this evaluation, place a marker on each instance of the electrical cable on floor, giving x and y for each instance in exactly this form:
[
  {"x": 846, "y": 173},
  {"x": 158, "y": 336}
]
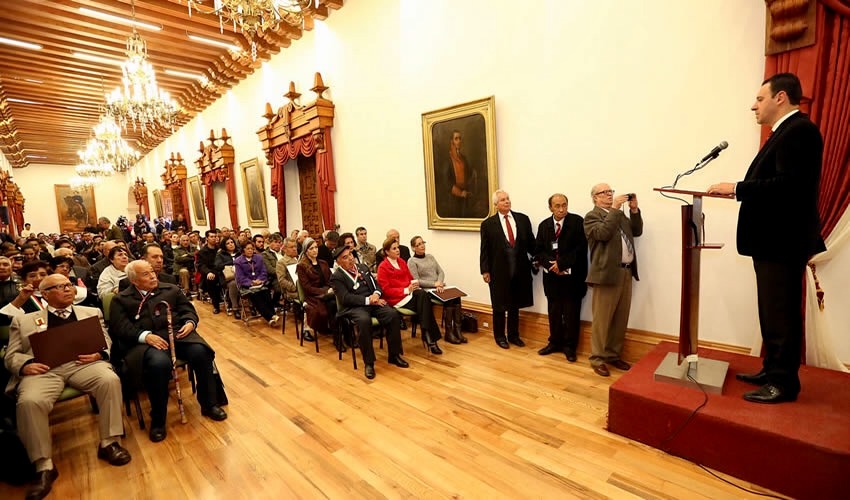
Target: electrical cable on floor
[{"x": 666, "y": 441}]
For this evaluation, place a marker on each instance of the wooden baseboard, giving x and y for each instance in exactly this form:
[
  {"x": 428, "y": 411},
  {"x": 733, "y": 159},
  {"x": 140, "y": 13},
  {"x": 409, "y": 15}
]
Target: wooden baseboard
[{"x": 535, "y": 327}]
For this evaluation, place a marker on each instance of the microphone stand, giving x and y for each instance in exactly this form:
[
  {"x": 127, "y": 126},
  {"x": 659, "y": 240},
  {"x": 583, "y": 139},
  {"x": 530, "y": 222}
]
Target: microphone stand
[{"x": 699, "y": 166}]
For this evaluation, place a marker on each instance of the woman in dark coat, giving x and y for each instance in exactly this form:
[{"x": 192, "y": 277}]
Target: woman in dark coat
[{"x": 314, "y": 276}]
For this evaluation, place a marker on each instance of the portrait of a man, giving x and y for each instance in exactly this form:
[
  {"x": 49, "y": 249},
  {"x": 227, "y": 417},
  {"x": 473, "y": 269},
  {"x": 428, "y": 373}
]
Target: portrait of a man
[
  {"x": 197, "y": 195},
  {"x": 255, "y": 194},
  {"x": 75, "y": 208}
]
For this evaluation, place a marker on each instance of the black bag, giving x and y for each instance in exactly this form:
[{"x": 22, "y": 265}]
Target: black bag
[{"x": 469, "y": 323}]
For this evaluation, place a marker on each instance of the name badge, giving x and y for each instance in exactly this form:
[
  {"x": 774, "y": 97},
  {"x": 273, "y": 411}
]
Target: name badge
[{"x": 554, "y": 245}]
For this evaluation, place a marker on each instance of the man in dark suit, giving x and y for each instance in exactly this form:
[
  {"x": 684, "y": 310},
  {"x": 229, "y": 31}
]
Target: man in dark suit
[
  {"x": 787, "y": 168},
  {"x": 359, "y": 296},
  {"x": 613, "y": 264},
  {"x": 506, "y": 245},
  {"x": 404, "y": 251},
  {"x": 562, "y": 253},
  {"x": 152, "y": 254},
  {"x": 140, "y": 328}
]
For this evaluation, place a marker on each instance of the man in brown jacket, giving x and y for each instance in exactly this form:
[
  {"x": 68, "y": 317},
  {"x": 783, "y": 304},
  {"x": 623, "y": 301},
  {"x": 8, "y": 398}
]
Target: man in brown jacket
[{"x": 613, "y": 264}]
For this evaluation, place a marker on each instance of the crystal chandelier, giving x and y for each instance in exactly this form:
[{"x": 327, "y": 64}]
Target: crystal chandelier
[
  {"x": 110, "y": 148},
  {"x": 141, "y": 102},
  {"x": 78, "y": 182},
  {"x": 254, "y": 17}
]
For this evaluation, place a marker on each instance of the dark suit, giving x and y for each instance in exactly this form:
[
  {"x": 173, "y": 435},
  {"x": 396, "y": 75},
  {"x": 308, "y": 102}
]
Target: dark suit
[
  {"x": 150, "y": 367},
  {"x": 509, "y": 268},
  {"x": 353, "y": 305},
  {"x": 781, "y": 240},
  {"x": 564, "y": 292}
]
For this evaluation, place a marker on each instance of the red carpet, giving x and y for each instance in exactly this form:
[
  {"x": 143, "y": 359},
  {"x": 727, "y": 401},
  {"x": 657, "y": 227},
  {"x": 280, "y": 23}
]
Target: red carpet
[{"x": 800, "y": 449}]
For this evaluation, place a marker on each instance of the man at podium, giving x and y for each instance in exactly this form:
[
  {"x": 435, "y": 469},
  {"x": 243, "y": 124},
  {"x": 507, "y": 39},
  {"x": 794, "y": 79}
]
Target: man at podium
[{"x": 787, "y": 167}]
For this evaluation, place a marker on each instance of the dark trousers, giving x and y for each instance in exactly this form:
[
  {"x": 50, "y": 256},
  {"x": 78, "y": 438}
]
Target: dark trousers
[
  {"x": 780, "y": 306},
  {"x": 213, "y": 289},
  {"x": 499, "y": 323},
  {"x": 157, "y": 375},
  {"x": 421, "y": 304},
  {"x": 387, "y": 317},
  {"x": 564, "y": 322},
  {"x": 262, "y": 302}
]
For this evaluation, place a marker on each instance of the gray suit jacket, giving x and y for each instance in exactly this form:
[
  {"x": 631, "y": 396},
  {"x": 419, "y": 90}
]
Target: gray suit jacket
[
  {"x": 20, "y": 352},
  {"x": 605, "y": 244}
]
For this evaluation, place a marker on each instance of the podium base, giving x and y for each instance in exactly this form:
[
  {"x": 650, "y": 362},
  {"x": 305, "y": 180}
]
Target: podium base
[{"x": 709, "y": 373}]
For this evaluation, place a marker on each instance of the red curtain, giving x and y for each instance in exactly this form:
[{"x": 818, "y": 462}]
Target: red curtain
[
  {"x": 230, "y": 188},
  {"x": 824, "y": 71},
  {"x": 210, "y": 203},
  {"x": 306, "y": 146}
]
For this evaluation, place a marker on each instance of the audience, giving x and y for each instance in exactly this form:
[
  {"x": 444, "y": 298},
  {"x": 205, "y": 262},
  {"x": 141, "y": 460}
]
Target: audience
[
  {"x": 366, "y": 250},
  {"x": 290, "y": 256},
  {"x": 253, "y": 283},
  {"x": 211, "y": 274},
  {"x": 427, "y": 271},
  {"x": 114, "y": 273},
  {"x": 224, "y": 260},
  {"x": 314, "y": 275}
]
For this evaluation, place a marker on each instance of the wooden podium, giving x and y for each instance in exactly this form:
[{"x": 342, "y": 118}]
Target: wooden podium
[{"x": 708, "y": 373}]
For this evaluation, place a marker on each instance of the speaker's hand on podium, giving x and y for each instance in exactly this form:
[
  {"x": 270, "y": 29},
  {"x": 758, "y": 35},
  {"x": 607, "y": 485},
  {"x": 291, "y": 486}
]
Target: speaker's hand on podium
[{"x": 722, "y": 188}]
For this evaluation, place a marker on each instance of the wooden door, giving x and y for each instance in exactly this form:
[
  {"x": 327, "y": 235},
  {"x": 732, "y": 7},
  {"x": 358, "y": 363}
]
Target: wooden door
[{"x": 311, "y": 215}]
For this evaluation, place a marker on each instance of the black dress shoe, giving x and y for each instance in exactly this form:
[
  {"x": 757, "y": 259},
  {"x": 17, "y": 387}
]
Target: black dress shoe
[
  {"x": 516, "y": 341},
  {"x": 548, "y": 349},
  {"x": 502, "y": 343},
  {"x": 216, "y": 310},
  {"x": 571, "y": 355},
  {"x": 43, "y": 484},
  {"x": 770, "y": 394},
  {"x": 214, "y": 413},
  {"x": 370, "y": 371},
  {"x": 114, "y": 454},
  {"x": 399, "y": 362},
  {"x": 157, "y": 434},
  {"x": 435, "y": 349},
  {"x": 759, "y": 378},
  {"x": 237, "y": 315},
  {"x": 308, "y": 337}
]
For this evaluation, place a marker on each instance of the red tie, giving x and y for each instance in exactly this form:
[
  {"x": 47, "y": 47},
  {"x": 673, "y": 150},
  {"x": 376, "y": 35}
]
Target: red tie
[
  {"x": 511, "y": 239},
  {"x": 557, "y": 230}
]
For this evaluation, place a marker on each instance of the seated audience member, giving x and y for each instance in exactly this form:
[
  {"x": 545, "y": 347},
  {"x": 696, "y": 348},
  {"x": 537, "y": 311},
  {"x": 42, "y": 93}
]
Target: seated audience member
[
  {"x": 114, "y": 273},
  {"x": 270, "y": 257},
  {"x": 253, "y": 282},
  {"x": 100, "y": 264},
  {"x": 211, "y": 274},
  {"x": 141, "y": 331},
  {"x": 329, "y": 243},
  {"x": 284, "y": 278},
  {"x": 29, "y": 297},
  {"x": 224, "y": 260},
  {"x": 65, "y": 267},
  {"x": 401, "y": 290},
  {"x": 17, "y": 262},
  {"x": 144, "y": 239},
  {"x": 184, "y": 261},
  {"x": 164, "y": 240},
  {"x": 38, "y": 386},
  {"x": 299, "y": 240},
  {"x": 360, "y": 300},
  {"x": 347, "y": 240},
  {"x": 425, "y": 269},
  {"x": 366, "y": 250},
  {"x": 8, "y": 288},
  {"x": 29, "y": 252},
  {"x": 403, "y": 250},
  {"x": 152, "y": 254},
  {"x": 315, "y": 276}
]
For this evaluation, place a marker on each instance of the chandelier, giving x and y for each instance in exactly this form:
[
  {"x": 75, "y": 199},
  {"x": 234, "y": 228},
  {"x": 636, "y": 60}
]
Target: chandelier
[
  {"x": 79, "y": 183},
  {"x": 141, "y": 102},
  {"x": 110, "y": 148},
  {"x": 254, "y": 17}
]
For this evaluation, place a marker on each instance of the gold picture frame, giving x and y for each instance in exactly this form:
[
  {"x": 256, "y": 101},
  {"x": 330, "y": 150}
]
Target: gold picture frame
[
  {"x": 255, "y": 193},
  {"x": 196, "y": 198},
  {"x": 459, "y": 145},
  {"x": 157, "y": 202},
  {"x": 75, "y": 208}
]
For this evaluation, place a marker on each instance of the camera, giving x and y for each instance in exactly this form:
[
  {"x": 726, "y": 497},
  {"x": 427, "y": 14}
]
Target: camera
[{"x": 630, "y": 196}]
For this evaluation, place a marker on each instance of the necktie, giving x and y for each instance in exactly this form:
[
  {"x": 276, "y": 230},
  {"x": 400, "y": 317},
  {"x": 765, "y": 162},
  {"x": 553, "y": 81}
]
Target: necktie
[
  {"x": 62, "y": 313},
  {"x": 511, "y": 239},
  {"x": 628, "y": 242},
  {"x": 557, "y": 230}
]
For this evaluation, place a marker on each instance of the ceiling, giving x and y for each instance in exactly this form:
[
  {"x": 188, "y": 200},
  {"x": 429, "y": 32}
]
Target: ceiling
[{"x": 63, "y": 92}]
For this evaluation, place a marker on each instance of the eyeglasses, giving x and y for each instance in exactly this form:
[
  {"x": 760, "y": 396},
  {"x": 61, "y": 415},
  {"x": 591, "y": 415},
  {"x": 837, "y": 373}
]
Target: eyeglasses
[
  {"x": 607, "y": 192},
  {"x": 18, "y": 257},
  {"x": 62, "y": 286},
  {"x": 419, "y": 244}
]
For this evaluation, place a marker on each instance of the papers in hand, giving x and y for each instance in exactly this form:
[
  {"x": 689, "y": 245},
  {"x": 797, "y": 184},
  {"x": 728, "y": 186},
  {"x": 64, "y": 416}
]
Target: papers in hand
[{"x": 448, "y": 293}]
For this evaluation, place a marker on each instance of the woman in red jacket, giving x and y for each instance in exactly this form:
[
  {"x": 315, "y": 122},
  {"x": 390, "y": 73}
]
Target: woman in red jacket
[{"x": 401, "y": 290}]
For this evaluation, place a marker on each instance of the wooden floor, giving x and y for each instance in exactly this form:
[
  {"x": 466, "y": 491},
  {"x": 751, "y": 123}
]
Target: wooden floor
[{"x": 476, "y": 422}]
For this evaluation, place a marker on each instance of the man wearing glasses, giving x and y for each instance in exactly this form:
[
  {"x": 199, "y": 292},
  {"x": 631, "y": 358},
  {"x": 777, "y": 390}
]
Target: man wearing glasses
[
  {"x": 613, "y": 264},
  {"x": 38, "y": 386}
]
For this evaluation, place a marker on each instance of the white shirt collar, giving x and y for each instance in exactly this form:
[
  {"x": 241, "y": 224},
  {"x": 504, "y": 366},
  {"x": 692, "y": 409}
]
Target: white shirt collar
[{"x": 779, "y": 121}]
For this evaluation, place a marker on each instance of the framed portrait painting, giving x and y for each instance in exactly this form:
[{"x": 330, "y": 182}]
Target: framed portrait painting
[
  {"x": 459, "y": 144},
  {"x": 196, "y": 195},
  {"x": 157, "y": 202},
  {"x": 255, "y": 193},
  {"x": 75, "y": 208}
]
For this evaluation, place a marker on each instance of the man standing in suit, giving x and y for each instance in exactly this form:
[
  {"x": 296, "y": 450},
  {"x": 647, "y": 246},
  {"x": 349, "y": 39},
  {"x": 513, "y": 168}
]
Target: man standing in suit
[
  {"x": 613, "y": 264},
  {"x": 140, "y": 327},
  {"x": 359, "y": 296},
  {"x": 506, "y": 245},
  {"x": 786, "y": 168},
  {"x": 38, "y": 386},
  {"x": 562, "y": 253}
]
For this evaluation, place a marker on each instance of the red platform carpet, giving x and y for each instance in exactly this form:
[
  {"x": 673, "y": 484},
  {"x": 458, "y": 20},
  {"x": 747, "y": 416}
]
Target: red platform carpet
[{"x": 799, "y": 449}]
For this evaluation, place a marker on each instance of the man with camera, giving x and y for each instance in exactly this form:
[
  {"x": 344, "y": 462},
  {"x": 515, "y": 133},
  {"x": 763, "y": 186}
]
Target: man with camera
[{"x": 613, "y": 264}]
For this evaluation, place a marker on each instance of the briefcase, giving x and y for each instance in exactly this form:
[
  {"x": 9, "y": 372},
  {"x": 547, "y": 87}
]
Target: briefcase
[{"x": 469, "y": 323}]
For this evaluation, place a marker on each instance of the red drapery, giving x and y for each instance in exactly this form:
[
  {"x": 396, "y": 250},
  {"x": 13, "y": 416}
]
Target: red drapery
[
  {"x": 225, "y": 176},
  {"x": 306, "y": 146},
  {"x": 230, "y": 189},
  {"x": 824, "y": 71},
  {"x": 210, "y": 203}
]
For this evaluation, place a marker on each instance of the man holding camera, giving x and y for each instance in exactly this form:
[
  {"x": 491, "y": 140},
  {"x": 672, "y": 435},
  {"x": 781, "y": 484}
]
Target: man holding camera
[{"x": 613, "y": 264}]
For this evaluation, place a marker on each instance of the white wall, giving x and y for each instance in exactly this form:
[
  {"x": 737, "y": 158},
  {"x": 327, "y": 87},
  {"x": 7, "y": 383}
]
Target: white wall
[{"x": 628, "y": 93}]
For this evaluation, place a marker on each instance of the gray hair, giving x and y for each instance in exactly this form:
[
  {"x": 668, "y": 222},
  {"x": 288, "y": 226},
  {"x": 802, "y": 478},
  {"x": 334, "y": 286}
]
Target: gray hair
[
  {"x": 132, "y": 272},
  {"x": 288, "y": 240},
  {"x": 496, "y": 195}
]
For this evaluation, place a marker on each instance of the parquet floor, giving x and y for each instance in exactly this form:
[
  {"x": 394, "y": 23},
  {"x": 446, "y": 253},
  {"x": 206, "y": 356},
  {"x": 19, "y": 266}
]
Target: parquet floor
[{"x": 476, "y": 422}]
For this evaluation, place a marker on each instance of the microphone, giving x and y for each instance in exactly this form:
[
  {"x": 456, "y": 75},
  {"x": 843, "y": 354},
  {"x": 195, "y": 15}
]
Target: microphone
[{"x": 716, "y": 151}]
